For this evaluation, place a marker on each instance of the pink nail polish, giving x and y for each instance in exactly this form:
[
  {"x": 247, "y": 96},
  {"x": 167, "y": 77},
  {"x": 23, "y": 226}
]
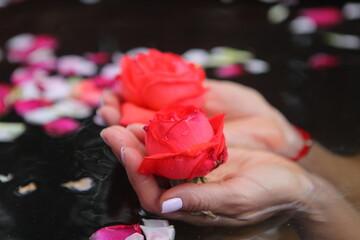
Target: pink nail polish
[{"x": 171, "y": 205}]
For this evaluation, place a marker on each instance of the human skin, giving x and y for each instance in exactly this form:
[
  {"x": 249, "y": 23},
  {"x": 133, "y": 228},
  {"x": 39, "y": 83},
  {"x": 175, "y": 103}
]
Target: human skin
[
  {"x": 250, "y": 121},
  {"x": 251, "y": 187}
]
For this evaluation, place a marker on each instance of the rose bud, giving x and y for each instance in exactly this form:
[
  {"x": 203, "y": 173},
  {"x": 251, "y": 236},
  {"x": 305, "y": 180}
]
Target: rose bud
[
  {"x": 152, "y": 81},
  {"x": 182, "y": 143}
]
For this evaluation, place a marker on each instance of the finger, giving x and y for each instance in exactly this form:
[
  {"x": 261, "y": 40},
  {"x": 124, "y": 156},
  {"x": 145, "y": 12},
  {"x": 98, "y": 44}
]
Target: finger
[
  {"x": 145, "y": 186},
  {"x": 138, "y": 130},
  {"x": 110, "y": 99},
  {"x": 190, "y": 197},
  {"x": 110, "y": 115},
  {"x": 117, "y": 137}
]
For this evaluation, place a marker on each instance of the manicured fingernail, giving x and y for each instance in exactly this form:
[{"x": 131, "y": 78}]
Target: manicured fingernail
[
  {"x": 122, "y": 155},
  {"x": 99, "y": 120},
  {"x": 171, "y": 205},
  {"x": 102, "y": 136}
]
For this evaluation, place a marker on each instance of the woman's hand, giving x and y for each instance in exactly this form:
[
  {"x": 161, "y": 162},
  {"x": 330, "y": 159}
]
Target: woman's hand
[
  {"x": 250, "y": 121},
  {"x": 251, "y": 187}
]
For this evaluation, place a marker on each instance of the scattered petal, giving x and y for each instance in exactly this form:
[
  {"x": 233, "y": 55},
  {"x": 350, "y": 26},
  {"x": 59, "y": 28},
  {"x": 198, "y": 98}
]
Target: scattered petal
[
  {"x": 322, "y": 61},
  {"x": 135, "y": 236},
  {"x": 155, "y": 223},
  {"x": 75, "y": 65},
  {"x": 87, "y": 92},
  {"x": 302, "y": 25},
  {"x": 351, "y": 10},
  {"x": 19, "y": 47},
  {"x": 10, "y": 131},
  {"x": 118, "y": 232},
  {"x": 5, "y": 90},
  {"x": 41, "y": 116},
  {"x": 72, "y": 108},
  {"x": 257, "y": 66},
  {"x": 42, "y": 59},
  {"x": 22, "y": 75},
  {"x": 230, "y": 71},
  {"x": 27, "y": 189},
  {"x": 98, "y": 58},
  {"x": 55, "y": 88},
  {"x": 278, "y": 13},
  {"x": 345, "y": 41},
  {"x": 28, "y": 90},
  {"x": 223, "y": 56},
  {"x": 81, "y": 185},
  {"x": 323, "y": 16},
  {"x": 23, "y": 106},
  {"x": 159, "y": 233},
  {"x": 61, "y": 127},
  {"x": 197, "y": 56},
  {"x": 6, "y": 178}
]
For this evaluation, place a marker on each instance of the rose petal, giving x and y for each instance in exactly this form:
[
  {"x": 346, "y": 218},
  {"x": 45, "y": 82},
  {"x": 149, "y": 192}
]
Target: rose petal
[
  {"x": 87, "y": 92},
  {"x": 5, "y": 90},
  {"x": 278, "y": 13},
  {"x": 75, "y": 65},
  {"x": 23, "y": 106},
  {"x": 159, "y": 233},
  {"x": 345, "y": 41},
  {"x": 351, "y": 10},
  {"x": 323, "y": 16},
  {"x": 230, "y": 71},
  {"x": 10, "y": 131},
  {"x": 41, "y": 116},
  {"x": 176, "y": 129},
  {"x": 155, "y": 223},
  {"x": 98, "y": 58},
  {"x": 118, "y": 232},
  {"x": 197, "y": 56},
  {"x": 61, "y": 127},
  {"x": 302, "y": 25},
  {"x": 72, "y": 108},
  {"x": 130, "y": 113},
  {"x": 323, "y": 61},
  {"x": 257, "y": 66}
]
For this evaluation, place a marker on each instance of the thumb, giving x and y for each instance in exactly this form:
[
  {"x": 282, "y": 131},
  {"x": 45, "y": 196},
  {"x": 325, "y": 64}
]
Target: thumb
[{"x": 192, "y": 197}]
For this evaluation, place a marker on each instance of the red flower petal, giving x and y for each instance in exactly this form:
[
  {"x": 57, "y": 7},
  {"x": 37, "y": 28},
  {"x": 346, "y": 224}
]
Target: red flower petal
[{"x": 130, "y": 113}]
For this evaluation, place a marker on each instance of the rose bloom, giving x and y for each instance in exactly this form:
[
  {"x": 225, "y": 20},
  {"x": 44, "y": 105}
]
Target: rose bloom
[
  {"x": 152, "y": 81},
  {"x": 182, "y": 143}
]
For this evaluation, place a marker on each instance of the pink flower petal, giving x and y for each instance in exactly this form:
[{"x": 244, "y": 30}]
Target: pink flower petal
[
  {"x": 230, "y": 71},
  {"x": 75, "y": 65},
  {"x": 323, "y": 16},
  {"x": 87, "y": 92},
  {"x": 323, "y": 61},
  {"x": 99, "y": 58},
  {"x": 118, "y": 232},
  {"x": 4, "y": 91},
  {"x": 23, "y": 106},
  {"x": 45, "y": 41},
  {"x": 61, "y": 127}
]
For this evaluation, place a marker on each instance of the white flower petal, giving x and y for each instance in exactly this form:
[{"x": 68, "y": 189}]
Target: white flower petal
[
  {"x": 135, "y": 236},
  {"x": 196, "y": 55},
  {"x": 351, "y": 10},
  {"x": 278, "y": 13},
  {"x": 6, "y": 178},
  {"x": 41, "y": 116},
  {"x": 81, "y": 185},
  {"x": 159, "y": 233},
  {"x": 257, "y": 66},
  {"x": 302, "y": 25},
  {"x": 155, "y": 223},
  {"x": 10, "y": 131},
  {"x": 72, "y": 108}
]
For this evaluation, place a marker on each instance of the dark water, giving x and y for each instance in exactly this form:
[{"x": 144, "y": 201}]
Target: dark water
[{"x": 326, "y": 103}]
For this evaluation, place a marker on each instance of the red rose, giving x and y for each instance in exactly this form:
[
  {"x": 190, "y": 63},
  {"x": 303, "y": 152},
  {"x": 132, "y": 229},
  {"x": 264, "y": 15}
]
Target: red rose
[
  {"x": 156, "y": 80},
  {"x": 182, "y": 143}
]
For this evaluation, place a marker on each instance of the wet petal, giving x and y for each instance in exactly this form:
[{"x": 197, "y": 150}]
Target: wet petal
[
  {"x": 257, "y": 66},
  {"x": 117, "y": 232},
  {"x": 61, "y": 127},
  {"x": 197, "y": 56},
  {"x": 75, "y": 65},
  {"x": 10, "y": 131},
  {"x": 230, "y": 71}
]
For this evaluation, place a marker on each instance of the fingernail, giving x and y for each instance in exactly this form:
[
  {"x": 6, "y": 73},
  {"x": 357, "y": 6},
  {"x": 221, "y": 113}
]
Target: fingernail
[
  {"x": 122, "y": 155},
  {"x": 99, "y": 120},
  {"x": 103, "y": 138},
  {"x": 171, "y": 205}
]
